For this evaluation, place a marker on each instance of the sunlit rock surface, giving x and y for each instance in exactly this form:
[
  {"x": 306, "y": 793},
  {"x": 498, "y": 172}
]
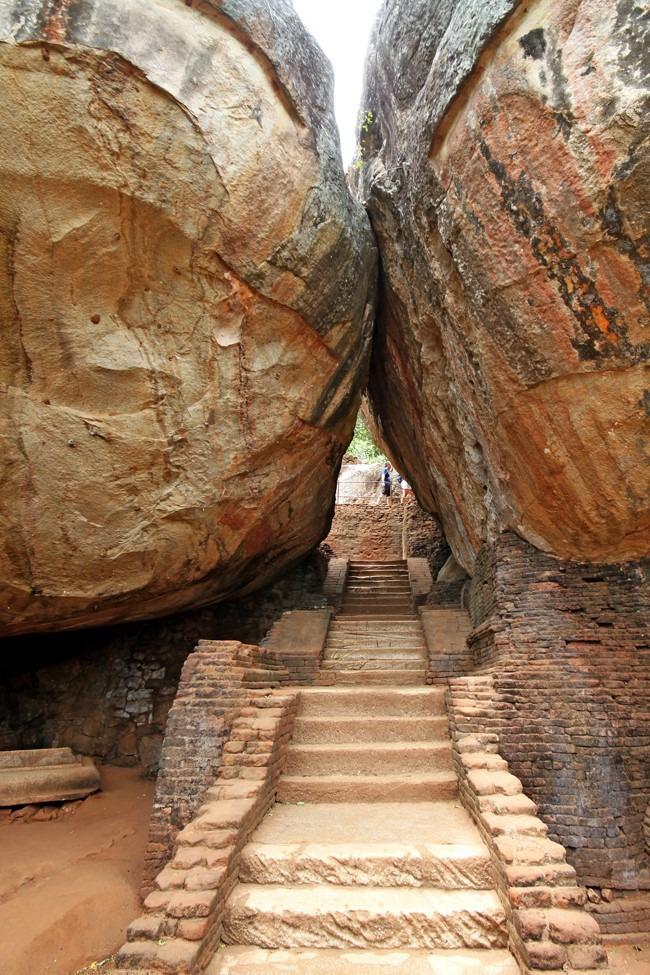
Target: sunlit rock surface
[
  {"x": 506, "y": 172},
  {"x": 184, "y": 293}
]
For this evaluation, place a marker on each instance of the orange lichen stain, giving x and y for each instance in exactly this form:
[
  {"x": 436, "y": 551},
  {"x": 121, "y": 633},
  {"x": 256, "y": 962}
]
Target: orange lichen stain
[{"x": 598, "y": 316}]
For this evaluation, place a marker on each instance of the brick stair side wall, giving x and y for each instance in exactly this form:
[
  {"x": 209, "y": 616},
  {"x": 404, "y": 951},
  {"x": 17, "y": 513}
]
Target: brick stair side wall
[
  {"x": 336, "y": 581},
  {"x": 182, "y": 921},
  {"x": 568, "y": 644},
  {"x": 215, "y": 686},
  {"x": 549, "y": 928},
  {"x": 297, "y": 642},
  {"x": 420, "y": 579},
  {"x": 445, "y": 633}
]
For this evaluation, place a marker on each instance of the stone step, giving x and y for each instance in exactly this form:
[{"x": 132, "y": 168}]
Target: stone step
[
  {"x": 377, "y": 587},
  {"x": 252, "y": 960},
  {"x": 374, "y": 617},
  {"x": 327, "y": 916},
  {"x": 375, "y": 595},
  {"x": 397, "y": 573},
  {"x": 321, "y": 730},
  {"x": 378, "y": 636},
  {"x": 385, "y": 661},
  {"x": 341, "y": 627},
  {"x": 444, "y": 866},
  {"x": 355, "y": 648},
  {"x": 440, "y": 822},
  {"x": 381, "y": 661},
  {"x": 370, "y": 677},
  {"x": 428, "y": 787},
  {"x": 384, "y": 702},
  {"x": 392, "y": 565},
  {"x": 383, "y": 758},
  {"x": 355, "y": 645},
  {"x": 173, "y": 955},
  {"x": 378, "y": 579}
]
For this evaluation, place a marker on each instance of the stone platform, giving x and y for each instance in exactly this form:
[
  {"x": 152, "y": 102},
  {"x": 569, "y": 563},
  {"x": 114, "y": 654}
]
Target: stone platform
[{"x": 45, "y": 775}]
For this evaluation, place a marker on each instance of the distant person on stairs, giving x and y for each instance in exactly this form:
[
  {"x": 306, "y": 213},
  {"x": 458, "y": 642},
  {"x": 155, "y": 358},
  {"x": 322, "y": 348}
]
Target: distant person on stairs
[
  {"x": 407, "y": 490},
  {"x": 385, "y": 484}
]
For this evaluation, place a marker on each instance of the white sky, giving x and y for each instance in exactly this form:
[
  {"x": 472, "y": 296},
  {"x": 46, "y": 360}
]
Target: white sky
[{"x": 342, "y": 29}]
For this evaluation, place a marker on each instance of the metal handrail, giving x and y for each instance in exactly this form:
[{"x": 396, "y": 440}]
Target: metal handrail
[{"x": 371, "y": 489}]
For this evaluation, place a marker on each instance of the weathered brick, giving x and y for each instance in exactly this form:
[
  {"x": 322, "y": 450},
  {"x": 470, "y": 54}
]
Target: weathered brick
[
  {"x": 587, "y": 957},
  {"x": 544, "y": 955},
  {"x": 192, "y": 904},
  {"x": 572, "y": 927}
]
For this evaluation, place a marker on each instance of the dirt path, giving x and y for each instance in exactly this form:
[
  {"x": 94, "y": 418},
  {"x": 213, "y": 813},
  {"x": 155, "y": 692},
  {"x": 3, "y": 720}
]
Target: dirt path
[
  {"x": 69, "y": 888},
  {"x": 630, "y": 960}
]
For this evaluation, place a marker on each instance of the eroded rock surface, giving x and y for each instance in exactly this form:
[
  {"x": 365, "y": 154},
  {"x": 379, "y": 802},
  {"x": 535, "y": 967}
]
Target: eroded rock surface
[
  {"x": 183, "y": 288},
  {"x": 506, "y": 173}
]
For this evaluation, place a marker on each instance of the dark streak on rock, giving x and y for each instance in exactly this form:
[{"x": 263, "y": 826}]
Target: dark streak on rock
[
  {"x": 603, "y": 332},
  {"x": 534, "y": 44},
  {"x": 11, "y": 277},
  {"x": 644, "y": 403},
  {"x": 563, "y": 124},
  {"x": 612, "y": 224}
]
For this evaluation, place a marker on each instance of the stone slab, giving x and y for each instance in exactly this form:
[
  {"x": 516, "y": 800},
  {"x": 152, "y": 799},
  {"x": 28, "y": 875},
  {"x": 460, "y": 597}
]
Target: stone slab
[
  {"x": 45, "y": 775},
  {"x": 245, "y": 960},
  {"x": 278, "y": 916}
]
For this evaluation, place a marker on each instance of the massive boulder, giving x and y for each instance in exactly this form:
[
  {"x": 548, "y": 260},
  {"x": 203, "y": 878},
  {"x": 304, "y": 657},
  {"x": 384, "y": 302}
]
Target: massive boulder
[
  {"x": 505, "y": 167},
  {"x": 184, "y": 293}
]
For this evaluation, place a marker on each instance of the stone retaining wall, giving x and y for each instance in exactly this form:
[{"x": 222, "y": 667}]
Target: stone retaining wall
[
  {"x": 183, "y": 915},
  {"x": 107, "y": 692},
  {"x": 445, "y": 632},
  {"x": 569, "y": 647},
  {"x": 549, "y": 929},
  {"x": 214, "y": 689}
]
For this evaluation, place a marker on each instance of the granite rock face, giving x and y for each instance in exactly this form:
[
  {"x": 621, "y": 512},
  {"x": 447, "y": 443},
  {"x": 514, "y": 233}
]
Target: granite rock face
[
  {"x": 186, "y": 293},
  {"x": 506, "y": 174}
]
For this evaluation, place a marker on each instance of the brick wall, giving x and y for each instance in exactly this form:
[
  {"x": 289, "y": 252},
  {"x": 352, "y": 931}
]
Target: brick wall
[
  {"x": 548, "y": 927},
  {"x": 213, "y": 690},
  {"x": 106, "y": 692},
  {"x": 366, "y": 531},
  {"x": 445, "y": 632},
  {"x": 183, "y": 911},
  {"x": 568, "y": 645}
]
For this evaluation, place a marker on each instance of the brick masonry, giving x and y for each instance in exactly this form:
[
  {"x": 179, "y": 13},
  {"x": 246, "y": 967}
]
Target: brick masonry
[
  {"x": 183, "y": 912},
  {"x": 366, "y": 531},
  {"x": 548, "y": 926},
  {"x": 445, "y": 632},
  {"x": 297, "y": 641},
  {"x": 107, "y": 692},
  {"x": 569, "y": 649},
  {"x": 420, "y": 579}
]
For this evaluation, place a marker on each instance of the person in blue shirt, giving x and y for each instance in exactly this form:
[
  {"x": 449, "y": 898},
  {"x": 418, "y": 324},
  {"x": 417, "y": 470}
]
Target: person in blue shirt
[{"x": 385, "y": 479}]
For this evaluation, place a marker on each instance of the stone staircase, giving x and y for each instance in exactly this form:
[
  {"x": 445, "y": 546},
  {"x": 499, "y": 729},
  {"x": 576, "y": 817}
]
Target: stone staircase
[
  {"x": 367, "y": 863},
  {"x": 377, "y": 637},
  {"x": 378, "y": 590}
]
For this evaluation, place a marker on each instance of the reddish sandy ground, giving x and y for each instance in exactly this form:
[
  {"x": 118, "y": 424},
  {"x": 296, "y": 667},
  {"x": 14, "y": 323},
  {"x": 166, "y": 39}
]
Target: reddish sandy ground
[
  {"x": 630, "y": 959},
  {"x": 69, "y": 888}
]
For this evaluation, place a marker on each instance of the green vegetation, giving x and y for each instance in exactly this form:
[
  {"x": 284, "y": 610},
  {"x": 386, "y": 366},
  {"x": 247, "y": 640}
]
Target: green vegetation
[
  {"x": 366, "y": 119},
  {"x": 363, "y": 446}
]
